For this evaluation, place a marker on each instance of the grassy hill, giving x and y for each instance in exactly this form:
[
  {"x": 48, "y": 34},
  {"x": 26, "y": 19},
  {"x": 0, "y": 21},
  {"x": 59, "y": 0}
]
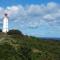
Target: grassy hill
[{"x": 16, "y": 46}]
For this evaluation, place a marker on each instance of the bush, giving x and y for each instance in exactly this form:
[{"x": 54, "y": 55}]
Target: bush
[
  {"x": 0, "y": 30},
  {"x": 25, "y": 52},
  {"x": 15, "y": 32}
]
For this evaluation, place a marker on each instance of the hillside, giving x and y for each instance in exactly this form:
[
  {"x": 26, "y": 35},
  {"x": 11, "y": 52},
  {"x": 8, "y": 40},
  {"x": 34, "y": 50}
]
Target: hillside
[{"x": 16, "y": 46}]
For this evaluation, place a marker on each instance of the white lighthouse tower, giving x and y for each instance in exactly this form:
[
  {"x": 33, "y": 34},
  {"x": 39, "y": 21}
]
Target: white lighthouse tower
[{"x": 5, "y": 23}]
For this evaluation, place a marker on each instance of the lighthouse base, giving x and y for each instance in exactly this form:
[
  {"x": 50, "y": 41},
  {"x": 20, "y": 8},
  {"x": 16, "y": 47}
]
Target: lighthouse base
[{"x": 5, "y": 30}]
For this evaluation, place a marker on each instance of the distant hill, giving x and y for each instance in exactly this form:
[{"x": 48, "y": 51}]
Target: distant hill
[{"x": 16, "y": 46}]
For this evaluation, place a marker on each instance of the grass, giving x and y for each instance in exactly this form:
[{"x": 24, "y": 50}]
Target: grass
[{"x": 17, "y": 47}]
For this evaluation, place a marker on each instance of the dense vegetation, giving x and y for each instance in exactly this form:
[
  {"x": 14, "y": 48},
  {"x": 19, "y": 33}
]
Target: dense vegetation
[{"x": 16, "y": 46}]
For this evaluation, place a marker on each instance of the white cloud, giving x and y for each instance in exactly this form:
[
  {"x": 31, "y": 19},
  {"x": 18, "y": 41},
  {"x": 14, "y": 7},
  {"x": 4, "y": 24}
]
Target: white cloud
[
  {"x": 48, "y": 17},
  {"x": 32, "y": 14},
  {"x": 52, "y": 5},
  {"x": 33, "y": 25},
  {"x": 12, "y": 10}
]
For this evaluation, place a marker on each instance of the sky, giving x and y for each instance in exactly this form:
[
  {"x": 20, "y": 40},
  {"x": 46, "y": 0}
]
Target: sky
[{"x": 39, "y": 18}]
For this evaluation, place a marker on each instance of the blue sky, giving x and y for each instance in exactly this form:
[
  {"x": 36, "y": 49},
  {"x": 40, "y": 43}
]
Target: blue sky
[
  {"x": 5, "y": 3},
  {"x": 39, "y": 18}
]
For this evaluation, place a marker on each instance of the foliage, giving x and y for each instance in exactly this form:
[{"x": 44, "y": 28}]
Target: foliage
[
  {"x": 0, "y": 30},
  {"x": 16, "y": 46},
  {"x": 14, "y": 32}
]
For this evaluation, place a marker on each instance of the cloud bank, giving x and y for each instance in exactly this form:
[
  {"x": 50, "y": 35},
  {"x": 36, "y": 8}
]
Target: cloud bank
[{"x": 42, "y": 18}]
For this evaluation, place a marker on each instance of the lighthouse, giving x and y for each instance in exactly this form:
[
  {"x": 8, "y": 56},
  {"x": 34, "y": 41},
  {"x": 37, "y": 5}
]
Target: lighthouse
[{"x": 5, "y": 23}]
